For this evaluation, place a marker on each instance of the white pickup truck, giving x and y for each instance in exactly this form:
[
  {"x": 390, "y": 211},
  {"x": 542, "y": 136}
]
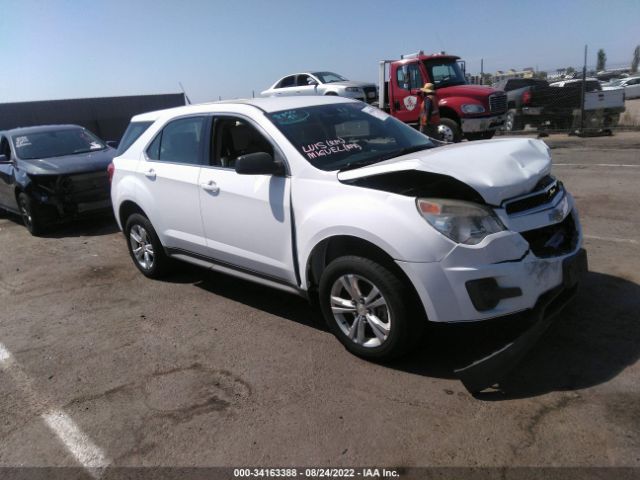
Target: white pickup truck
[
  {"x": 602, "y": 105},
  {"x": 335, "y": 200}
]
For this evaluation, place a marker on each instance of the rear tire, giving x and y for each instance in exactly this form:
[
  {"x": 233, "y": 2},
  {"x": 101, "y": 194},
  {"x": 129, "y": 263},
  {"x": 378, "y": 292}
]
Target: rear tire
[
  {"x": 145, "y": 248},
  {"x": 449, "y": 130},
  {"x": 34, "y": 216},
  {"x": 366, "y": 307}
]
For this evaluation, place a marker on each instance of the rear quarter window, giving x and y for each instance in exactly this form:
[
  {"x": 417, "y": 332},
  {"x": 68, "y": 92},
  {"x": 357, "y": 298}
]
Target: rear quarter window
[{"x": 131, "y": 134}]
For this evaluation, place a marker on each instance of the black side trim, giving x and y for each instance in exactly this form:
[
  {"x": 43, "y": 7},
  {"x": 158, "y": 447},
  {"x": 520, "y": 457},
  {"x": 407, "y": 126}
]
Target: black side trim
[{"x": 180, "y": 251}]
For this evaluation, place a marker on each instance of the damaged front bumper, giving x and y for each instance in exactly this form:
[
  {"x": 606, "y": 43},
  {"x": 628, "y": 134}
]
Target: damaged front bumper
[
  {"x": 482, "y": 124},
  {"x": 74, "y": 195},
  {"x": 489, "y": 370}
]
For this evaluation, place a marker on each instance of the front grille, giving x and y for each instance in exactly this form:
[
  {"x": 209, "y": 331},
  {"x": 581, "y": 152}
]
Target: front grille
[
  {"x": 553, "y": 240},
  {"x": 541, "y": 197},
  {"x": 498, "y": 102},
  {"x": 85, "y": 187}
]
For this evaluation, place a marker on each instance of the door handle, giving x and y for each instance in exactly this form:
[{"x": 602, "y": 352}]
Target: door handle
[
  {"x": 210, "y": 186},
  {"x": 151, "y": 173}
]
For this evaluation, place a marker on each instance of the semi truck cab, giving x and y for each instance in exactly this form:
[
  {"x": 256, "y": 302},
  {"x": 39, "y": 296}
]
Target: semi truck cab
[{"x": 466, "y": 111}]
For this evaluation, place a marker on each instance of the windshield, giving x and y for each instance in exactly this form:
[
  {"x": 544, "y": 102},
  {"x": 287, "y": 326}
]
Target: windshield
[
  {"x": 347, "y": 135},
  {"x": 56, "y": 143},
  {"x": 329, "y": 77},
  {"x": 444, "y": 73}
]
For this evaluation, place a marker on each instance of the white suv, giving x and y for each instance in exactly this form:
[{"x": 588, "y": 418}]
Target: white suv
[{"x": 335, "y": 200}]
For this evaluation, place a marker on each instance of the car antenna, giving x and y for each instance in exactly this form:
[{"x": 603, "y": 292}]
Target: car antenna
[{"x": 186, "y": 98}]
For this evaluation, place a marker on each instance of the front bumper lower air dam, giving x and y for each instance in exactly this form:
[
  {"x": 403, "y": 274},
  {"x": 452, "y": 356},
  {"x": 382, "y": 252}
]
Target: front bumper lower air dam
[{"x": 490, "y": 370}]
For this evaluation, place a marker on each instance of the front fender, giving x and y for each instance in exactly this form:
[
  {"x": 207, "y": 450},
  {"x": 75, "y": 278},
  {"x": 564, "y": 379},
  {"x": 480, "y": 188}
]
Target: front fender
[
  {"x": 455, "y": 104},
  {"x": 389, "y": 221}
]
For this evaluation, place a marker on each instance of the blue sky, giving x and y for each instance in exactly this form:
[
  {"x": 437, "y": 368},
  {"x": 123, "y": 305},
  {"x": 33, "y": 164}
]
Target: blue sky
[{"x": 55, "y": 49}]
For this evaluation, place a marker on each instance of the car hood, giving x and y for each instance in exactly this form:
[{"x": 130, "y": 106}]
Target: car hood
[
  {"x": 80, "y": 163},
  {"x": 496, "y": 169},
  {"x": 473, "y": 91},
  {"x": 350, "y": 83}
]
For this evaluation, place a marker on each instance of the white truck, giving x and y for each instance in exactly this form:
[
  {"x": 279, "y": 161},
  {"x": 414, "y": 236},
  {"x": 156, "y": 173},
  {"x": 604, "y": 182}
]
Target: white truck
[
  {"x": 335, "y": 200},
  {"x": 559, "y": 104}
]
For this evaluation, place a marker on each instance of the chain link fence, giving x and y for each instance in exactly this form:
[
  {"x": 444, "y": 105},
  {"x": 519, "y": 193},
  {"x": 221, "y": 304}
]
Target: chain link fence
[{"x": 571, "y": 106}]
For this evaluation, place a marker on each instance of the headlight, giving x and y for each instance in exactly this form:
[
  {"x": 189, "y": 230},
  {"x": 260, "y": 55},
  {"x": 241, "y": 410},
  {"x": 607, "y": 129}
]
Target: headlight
[
  {"x": 472, "y": 108},
  {"x": 462, "y": 222},
  {"x": 352, "y": 89}
]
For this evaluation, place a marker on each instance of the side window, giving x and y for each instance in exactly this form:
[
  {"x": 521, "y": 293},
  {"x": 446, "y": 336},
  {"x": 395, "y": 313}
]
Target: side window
[
  {"x": 414, "y": 77},
  {"x": 179, "y": 141},
  {"x": 5, "y": 149},
  {"x": 303, "y": 80},
  {"x": 287, "y": 82},
  {"x": 234, "y": 137},
  {"x": 131, "y": 134}
]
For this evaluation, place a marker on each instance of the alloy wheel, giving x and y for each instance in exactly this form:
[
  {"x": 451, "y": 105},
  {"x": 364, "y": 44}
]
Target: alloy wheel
[
  {"x": 360, "y": 310},
  {"x": 446, "y": 133},
  {"x": 508, "y": 123},
  {"x": 141, "y": 246},
  {"x": 26, "y": 215}
]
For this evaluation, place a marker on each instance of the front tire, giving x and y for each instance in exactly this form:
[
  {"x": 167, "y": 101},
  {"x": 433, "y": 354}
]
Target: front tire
[
  {"x": 512, "y": 121},
  {"x": 33, "y": 215},
  {"x": 366, "y": 308},
  {"x": 449, "y": 130},
  {"x": 145, "y": 248}
]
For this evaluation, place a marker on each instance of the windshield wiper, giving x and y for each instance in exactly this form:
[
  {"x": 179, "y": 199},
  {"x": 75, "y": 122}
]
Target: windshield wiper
[
  {"x": 397, "y": 153},
  {"x": 358, "y": 164},
  {"x": 405, "y": 151}
]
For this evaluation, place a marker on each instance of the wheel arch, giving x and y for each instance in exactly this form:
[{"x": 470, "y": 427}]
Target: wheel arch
[
  {"x": 128, "y": 208},
  {"x": 337, "y": 246},
  {"x": 448, "y": 112}
]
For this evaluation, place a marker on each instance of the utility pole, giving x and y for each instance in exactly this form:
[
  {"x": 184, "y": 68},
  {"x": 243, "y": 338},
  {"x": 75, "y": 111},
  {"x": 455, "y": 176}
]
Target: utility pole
[
  {"x": 482, "y": 71},
  {"x": 584, "y": 89}
]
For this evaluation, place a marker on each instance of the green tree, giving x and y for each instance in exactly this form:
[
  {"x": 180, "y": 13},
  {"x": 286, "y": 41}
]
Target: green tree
[
  {"x": 602, "y": 61},
  {"x": 541, "y": 75},
  {"x": 636, "y": 60},
  {"x": 570, "y": 71}
]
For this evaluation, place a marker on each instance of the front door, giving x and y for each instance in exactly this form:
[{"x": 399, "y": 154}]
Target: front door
[
  {"x": 404, "y": 104},
  {"x": 247, "y": 218},
  {"x": 306, "y": 85}
]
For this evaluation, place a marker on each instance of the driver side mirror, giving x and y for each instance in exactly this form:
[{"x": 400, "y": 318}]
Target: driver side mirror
[
  {"x": 112, "y": 143},
  {"x": 259, "y": 163},
  {"x": 312, "y": 83},
  {"x": 4, "y": 159}
]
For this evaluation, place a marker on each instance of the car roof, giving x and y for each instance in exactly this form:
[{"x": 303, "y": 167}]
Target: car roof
[
  {"x": 39, "y": 128},
  {"x": 266, "y": 104}
]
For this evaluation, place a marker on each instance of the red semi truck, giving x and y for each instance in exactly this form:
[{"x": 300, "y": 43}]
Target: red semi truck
[{"x": 466, "y": 111}]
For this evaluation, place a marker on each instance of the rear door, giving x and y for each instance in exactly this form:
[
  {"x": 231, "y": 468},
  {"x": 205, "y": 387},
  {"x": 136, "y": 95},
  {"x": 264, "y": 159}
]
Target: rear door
[
  {"x": 247, "y": 218},
  {"x": 286, "y": 87},
  {"x": 169, "y": 189}
]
